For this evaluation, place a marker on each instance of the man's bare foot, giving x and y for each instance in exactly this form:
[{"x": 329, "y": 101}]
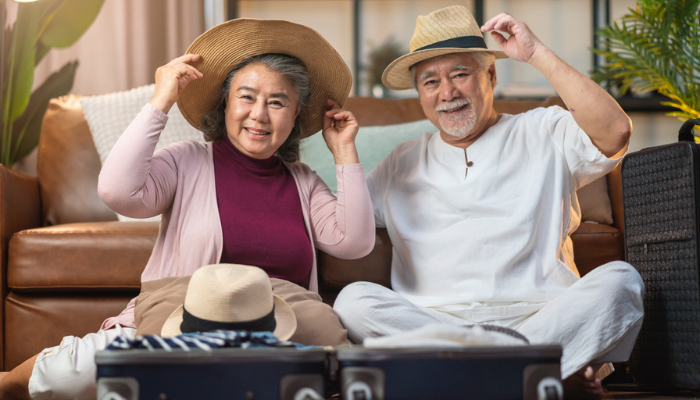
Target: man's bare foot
[{"x": 583, "y": 385}]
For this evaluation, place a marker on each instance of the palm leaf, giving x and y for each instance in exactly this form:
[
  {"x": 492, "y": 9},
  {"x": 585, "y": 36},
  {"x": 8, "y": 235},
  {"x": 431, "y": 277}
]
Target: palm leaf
[
  {"x": 21, "y": 61},
  {"x": 17, "y": 84},
  {"x": 654, "y": 47},
  {"x": 28, "y": 127},
  {"x": 69, "y": 21}
]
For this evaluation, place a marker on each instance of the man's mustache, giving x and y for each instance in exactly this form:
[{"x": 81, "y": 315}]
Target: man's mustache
[{"x": 453, "y": 105}]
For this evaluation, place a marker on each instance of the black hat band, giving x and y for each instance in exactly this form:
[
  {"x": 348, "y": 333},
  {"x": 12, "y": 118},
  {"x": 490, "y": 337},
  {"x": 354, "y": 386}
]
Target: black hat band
[
  {"x": 190, "y": 323},
  {"x": 462, "y": 42}
]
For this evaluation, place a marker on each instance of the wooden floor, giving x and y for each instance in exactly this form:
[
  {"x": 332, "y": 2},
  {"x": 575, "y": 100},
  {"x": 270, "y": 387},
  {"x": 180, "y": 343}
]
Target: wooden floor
[
  {"x": 622, "y": 391},
  {"x": 644, "y": 396}
]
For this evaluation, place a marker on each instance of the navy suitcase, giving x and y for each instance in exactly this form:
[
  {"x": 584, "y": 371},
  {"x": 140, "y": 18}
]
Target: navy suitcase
[
  {"x": 517, "y": 372},
  {"x": 232, "y": 373}
]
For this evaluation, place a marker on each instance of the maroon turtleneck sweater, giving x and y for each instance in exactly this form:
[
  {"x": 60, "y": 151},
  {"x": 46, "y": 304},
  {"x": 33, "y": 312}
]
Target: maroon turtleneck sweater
[{"x": 261, "y": 215}]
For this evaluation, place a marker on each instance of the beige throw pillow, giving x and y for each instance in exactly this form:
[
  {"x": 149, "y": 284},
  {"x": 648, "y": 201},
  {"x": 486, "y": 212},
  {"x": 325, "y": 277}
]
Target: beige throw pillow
[{"x": 594, "y": 201}]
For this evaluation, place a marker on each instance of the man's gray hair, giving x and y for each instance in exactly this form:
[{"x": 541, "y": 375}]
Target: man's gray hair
[{"x": 485, "y": 61}]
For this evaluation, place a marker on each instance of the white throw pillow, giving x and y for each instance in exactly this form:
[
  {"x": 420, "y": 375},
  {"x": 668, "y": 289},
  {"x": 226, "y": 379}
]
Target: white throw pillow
[{"x": 109, "y": 115}]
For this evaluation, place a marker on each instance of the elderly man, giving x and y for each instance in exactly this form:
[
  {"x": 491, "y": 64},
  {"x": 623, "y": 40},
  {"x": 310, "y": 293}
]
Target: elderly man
[{"x": 480, "y": 213}]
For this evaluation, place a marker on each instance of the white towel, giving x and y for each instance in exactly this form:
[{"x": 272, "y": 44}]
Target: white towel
[{"x": 445, "y": 335}]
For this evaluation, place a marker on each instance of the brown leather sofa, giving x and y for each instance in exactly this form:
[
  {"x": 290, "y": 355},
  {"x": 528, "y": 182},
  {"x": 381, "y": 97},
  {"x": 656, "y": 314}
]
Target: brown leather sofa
[{"x": 67, "y": 263}]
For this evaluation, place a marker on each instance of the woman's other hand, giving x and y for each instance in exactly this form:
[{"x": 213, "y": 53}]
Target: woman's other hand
[
  {"x": 339, "y": 131},
  {"x": 171, "y": 78}
]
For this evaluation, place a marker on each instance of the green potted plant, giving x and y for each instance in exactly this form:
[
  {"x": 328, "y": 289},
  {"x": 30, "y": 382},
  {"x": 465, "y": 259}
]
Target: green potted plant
[
  {"x": 379, "y": 58},
  {"x": 39, "y": 27},
  {"x": 655, "y": 47}
]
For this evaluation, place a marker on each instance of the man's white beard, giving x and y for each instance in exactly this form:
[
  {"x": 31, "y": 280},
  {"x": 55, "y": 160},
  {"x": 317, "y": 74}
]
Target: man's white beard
[{"x": 458, "y": 125}]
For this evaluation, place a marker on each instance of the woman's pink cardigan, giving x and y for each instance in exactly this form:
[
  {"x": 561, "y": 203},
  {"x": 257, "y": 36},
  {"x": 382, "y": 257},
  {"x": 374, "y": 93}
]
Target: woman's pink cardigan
[{"x": 178, "y": 182}]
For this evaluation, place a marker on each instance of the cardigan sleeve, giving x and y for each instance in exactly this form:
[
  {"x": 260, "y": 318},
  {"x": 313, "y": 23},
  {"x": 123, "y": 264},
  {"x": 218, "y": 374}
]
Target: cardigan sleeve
[
  {"x": 344, "y": 226},
  {"x": 135, "y": 182}
]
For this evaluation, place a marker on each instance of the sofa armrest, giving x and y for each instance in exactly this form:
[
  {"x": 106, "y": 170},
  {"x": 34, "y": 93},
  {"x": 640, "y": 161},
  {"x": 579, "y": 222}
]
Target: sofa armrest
[
  {"x": 615, "y": 192},
  {"x": 20, "y": 208}
]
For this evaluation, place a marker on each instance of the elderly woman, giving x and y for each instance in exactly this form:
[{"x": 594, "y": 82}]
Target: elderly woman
[{"x": 255, "y": 88}]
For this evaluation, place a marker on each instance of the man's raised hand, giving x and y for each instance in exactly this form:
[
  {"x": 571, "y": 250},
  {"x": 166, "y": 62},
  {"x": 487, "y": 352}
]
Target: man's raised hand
[{"x": 521, "y": 44}]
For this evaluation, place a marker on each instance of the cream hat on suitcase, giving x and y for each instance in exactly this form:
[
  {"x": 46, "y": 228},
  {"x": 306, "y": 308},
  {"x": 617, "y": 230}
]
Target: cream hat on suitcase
[
  {"x": 447, "y": 30},
  {"x": 232, "y": 297}
]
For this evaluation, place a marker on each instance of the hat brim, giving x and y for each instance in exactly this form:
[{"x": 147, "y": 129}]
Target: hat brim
[
  {"x": 285, "y": 320},
  {"x": 397, "y": 76},
  {"x": 225, "y": 45}
]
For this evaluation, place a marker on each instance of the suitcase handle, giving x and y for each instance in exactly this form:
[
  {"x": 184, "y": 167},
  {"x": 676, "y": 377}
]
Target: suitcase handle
[{"x": 685, "y": 134}]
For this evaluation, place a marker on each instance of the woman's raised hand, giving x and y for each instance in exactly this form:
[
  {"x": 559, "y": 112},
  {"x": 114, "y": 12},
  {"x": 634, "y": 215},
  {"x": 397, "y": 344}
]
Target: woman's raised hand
[
  {"x": 171, "y": 78},
  {"x": 339, "y": 131}
]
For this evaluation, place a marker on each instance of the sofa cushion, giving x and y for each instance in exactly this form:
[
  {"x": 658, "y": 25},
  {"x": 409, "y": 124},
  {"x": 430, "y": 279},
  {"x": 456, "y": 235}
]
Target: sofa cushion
[
  {"x": 516, "y": 106},
  {"x": 335, "y": 273},
  {"x": 81, "y": 257},
  {"x": 595, "y": 245},
  {"x": 370, "y": 111},
  {"x": 34, "y": 322},
  {"x": 68, "y": 166}
]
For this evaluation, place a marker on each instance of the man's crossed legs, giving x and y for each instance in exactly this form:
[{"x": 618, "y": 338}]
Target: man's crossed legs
[{"x": 596, "y": 320}]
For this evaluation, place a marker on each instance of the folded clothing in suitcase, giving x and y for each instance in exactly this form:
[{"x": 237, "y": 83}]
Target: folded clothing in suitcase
[
  {"x": 513, "y": 372},
  {"x": 660, "y": 206},
  {"x": 198, "y": 366}
]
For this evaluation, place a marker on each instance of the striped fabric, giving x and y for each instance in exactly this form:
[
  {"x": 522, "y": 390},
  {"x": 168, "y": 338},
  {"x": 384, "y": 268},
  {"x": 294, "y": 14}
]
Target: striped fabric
[{"x": 205, "y": 341}]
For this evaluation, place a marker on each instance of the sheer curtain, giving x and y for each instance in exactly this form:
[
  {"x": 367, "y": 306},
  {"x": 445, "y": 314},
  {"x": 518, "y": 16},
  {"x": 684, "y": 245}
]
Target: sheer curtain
[
  {"x": 123, "y": 47},
  {"x": 127, "y": 42}
]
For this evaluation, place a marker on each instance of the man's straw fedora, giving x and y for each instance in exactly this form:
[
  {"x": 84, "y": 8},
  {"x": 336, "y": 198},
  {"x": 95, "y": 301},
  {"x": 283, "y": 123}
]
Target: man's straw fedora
[
  {"x": 232, "y": 297},
  {"x": 448, "y": 30},
  {"x": 227, "y": 44}
]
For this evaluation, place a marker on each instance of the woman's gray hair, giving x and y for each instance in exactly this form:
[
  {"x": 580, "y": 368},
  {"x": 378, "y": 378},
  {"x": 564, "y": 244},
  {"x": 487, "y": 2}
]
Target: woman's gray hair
[
  {"x": 485, "y": 61},
  {"x": 214, "y": 123}
]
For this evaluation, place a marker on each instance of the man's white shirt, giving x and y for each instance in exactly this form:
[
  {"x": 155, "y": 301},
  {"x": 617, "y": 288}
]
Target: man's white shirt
[{"x": 489, "y": 241}]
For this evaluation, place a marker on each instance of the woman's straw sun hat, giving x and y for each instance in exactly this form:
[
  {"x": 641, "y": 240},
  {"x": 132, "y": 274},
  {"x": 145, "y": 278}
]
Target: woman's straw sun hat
[
  {"x": 227, "y": 44},
  {"x": 232, "y": 297},
  {"x": 448, "y": 30}
]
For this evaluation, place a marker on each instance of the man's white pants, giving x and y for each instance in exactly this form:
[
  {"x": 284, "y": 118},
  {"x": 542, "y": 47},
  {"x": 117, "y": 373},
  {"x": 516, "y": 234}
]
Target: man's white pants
[
  {"x": 596, "y": 320},
  {"x": 68, "y": 371}
]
